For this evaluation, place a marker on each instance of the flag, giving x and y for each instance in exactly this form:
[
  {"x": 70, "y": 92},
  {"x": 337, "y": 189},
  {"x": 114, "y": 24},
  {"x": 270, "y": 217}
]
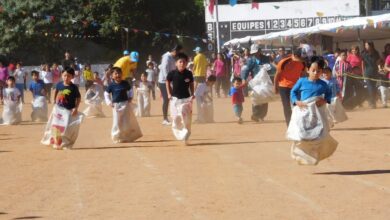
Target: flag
[
  {"x": 211, "y": 6},
  {"x": 232, "y": 2},
  {"x": 126, "y": 29},
  {"x": 320, "y": 14},
  {"x": 255, "y": 5}
]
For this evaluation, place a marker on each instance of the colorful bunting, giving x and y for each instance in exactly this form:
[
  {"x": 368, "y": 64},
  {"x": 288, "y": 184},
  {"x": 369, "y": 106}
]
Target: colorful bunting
[
  {"x": 232, "y": 2},
  {"x": 211, "y": 6},
  {"x": 276, "y": 7},
  {"x": 255, "y": 5},
  {"x": 320, "y": 14}
]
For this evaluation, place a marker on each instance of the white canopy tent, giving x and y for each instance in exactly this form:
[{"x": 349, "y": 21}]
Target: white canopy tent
[{"x": 352, "y": 30}]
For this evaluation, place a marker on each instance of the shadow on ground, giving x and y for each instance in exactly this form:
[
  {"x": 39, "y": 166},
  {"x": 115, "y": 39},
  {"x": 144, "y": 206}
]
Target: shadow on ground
[{"x": 355, "y": 173}]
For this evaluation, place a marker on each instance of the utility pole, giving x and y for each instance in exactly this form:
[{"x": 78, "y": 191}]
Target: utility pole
[{"x": 217, "y": 26}]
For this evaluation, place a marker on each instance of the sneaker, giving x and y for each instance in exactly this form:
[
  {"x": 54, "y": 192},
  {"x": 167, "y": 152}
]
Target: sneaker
[{"x": 166, "y": 122}]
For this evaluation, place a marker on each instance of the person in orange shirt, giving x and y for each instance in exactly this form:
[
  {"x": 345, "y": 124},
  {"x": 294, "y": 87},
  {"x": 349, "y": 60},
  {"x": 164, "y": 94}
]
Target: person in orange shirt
[{"x": 288, "y": 71}]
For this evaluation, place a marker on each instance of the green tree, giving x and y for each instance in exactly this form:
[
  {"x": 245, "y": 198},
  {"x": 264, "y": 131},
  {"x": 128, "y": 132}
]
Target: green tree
[{"x": 23, "y": 24}]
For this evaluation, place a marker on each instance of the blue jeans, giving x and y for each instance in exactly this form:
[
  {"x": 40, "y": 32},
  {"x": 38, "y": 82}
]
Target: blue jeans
[
  {"x": 237, "y": 108},
  {"x": 164, "y": 94},
  {"x": 20, "y": 86}
]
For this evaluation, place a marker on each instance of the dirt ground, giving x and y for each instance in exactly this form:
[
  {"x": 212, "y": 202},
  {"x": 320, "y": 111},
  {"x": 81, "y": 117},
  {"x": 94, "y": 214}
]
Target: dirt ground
[{"x": 230, "y": 171}]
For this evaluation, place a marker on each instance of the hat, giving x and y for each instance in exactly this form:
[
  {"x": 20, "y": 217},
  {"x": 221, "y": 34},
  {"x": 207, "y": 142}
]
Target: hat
[
  {"x": 197, "y": 49},
  {"x": 254, "y": 48},
  {"x": 134, "y": 56},
  {"x": 126, "y": 52}
]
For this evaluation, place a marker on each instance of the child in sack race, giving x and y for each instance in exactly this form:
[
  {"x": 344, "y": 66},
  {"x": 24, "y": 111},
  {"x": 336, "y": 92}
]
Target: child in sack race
[
  {"x": 118, "y": 95},
  {"x": 335, "y": 109},
  {"x": 309, "y": 125},
  {"x": 180, "y": 88},
  {"x": 143, "y": 97},
  {"x": 12, "y": 111},
  {"x": 39, "y": 103},
  {"x": 204, "y": 101},
  {"x": 63, "y": 126}
]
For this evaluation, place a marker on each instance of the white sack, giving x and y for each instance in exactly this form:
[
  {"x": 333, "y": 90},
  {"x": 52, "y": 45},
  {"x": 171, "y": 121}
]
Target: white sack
[
  {"x": 205, "y": 110},
  {"x": 62, "y": 129},
  {"x": 12, "y": 112},
  {"x": 93, "y": 100},
  {"x": 312, "y": 152},
  {"x": 309, "y": 123},
  {"x": 309, "y": 129},
  {"x": 181, "y": 113},
  {"x": 39, "y": 109},
  {"x": 261, "y": 87},
  {"x": 125, "y": 127},
  {"x": 336, "y": 112},
  {"x": 143, "y": 102}
]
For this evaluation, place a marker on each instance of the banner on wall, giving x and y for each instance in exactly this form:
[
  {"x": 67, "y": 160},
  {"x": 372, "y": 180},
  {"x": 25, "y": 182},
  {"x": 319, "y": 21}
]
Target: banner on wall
[{"x": 241, "y": 20}]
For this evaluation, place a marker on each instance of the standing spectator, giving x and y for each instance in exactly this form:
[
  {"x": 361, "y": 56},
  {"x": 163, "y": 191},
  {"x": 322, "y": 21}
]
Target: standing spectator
[
  {"x": 385, "y": 75},
  {"x": 128, "y": 65},
  {"x": 252, "y": 69},
  {"x": 3, "y": 79},
  {"x": 236, "y": 64},
  {"x": 281, "y": 55},
  {"x": 220, "y": 72},
  {"x": 167, "y": 65},
  {"x": 47, "y": 78},
  {"x": 385, "y": 86},
  {"x": 68, "y": 60},
  {"x": 288, "y": 71},
  {"x": 371, "y": 60},
  {"x": 88, "y": 76},
  {"x": 342, "y": 68},
  {"x": 151, "y": 78},
  {"x": 200, "y": 67},
  {"x": 20, "y": 79},
  {"x": 150, "y": 60},
  {"x": 107, "y": 77},
  {"x": 56, "y": 72},
  {"x": 354, "y": 90}
]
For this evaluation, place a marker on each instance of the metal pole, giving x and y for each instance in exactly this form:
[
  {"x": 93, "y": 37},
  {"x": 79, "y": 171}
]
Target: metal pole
[
  {"x": 217, "y": 26},
  {"x": 366, "y": 6}
]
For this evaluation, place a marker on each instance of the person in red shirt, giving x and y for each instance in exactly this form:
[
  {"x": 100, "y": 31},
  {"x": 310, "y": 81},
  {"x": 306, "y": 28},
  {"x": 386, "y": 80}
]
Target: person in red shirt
[{"x": 288, "y": 71}]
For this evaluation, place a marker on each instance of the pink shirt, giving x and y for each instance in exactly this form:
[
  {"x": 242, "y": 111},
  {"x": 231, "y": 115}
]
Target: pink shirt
[
  {"x": 219, "y": 68},
  {"x": 3, "y": 73},
  {"x": 355, "y": 61},
  {"x": 387, "y": 62}
]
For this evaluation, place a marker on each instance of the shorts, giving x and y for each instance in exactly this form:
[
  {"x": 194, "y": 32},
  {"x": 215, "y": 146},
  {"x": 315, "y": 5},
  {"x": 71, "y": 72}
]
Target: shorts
[{"x": 200, "y": 79}]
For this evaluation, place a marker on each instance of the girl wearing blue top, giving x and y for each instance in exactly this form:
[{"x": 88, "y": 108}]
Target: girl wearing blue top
[{"x": 311, "y": 86}]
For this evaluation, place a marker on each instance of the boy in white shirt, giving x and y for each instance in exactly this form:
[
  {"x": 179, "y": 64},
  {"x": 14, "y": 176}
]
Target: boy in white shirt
[{"x": 47, "y": 78}]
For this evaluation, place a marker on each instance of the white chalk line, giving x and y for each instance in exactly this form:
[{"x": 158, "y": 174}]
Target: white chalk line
[{"x": 173, "y": 191}]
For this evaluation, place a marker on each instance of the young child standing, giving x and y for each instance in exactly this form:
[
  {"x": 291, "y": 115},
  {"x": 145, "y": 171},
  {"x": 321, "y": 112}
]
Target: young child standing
[
  {"x": 341, "y": 68},
  {"x": 12, "y": 111},
  {"x": 309, "y": 126},
  {"x": 47, "y": 78},
  {"x": 237, "y": 94},
  {"x": 56, "y": 73},
  {"x": 335, "y": 108},
  {"x": 63, "y": 126},
  {"x": 39, "y": 103},
  {"x": 118, "y": 95},
  {"x": 151, "y": 78},
  {"x": 180, "y": 88},
  {"x": 20, "y": 77},
  {"x": 143, "y": 97},
  {"x": 88, "y": 76},
  {"x": 204, "y": 101}
]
